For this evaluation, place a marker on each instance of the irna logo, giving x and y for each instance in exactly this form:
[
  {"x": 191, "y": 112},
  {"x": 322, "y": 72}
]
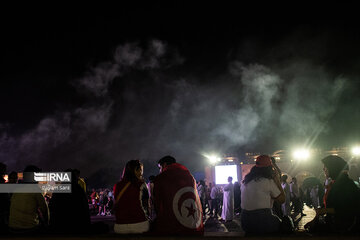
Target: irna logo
[{"x": 52, "y": 177}]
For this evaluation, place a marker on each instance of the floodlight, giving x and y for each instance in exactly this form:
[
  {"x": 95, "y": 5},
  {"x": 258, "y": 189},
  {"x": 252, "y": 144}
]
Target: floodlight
[
  {"x": 212, "y": 158},
  {"x": 301, "y": 154},
  {"x": 355, "y": 151}
]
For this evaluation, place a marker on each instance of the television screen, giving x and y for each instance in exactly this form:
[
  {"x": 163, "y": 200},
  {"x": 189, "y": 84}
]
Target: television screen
[{"x": 222, "y": 173}]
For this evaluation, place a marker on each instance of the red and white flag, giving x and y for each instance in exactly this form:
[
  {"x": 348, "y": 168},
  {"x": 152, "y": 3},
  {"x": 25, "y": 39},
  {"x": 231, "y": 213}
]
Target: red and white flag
[{"x": 177, "y": 203}]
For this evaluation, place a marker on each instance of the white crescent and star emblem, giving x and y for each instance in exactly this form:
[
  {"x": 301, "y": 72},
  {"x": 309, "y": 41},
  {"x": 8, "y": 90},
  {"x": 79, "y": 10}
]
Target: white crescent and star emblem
[{"x": 186, "y": 207}]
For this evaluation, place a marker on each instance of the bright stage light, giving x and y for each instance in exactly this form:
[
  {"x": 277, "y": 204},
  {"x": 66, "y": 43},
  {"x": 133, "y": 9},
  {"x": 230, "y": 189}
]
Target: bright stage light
[
  {"x": 212, "y": 158},
  {"x": 356, "y": 151},
  {"x": 301, "y": 154}
]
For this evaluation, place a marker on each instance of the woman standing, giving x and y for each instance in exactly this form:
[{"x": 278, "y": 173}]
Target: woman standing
[
  {"x": 131, "y": 200},
  {"x": 258, "y": 191}
]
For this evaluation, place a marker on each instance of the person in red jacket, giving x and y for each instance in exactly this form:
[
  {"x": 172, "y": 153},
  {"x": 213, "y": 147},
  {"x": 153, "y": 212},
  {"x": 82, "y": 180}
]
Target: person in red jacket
[
  {"x": 176, "y": 201},
  {"x": 131, "y": 200}
]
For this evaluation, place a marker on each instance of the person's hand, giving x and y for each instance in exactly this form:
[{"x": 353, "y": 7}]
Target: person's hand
[{"x": 276, "y": 175}]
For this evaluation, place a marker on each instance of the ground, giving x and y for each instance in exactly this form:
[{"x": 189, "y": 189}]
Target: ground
[{"x": 214, "y": 227}]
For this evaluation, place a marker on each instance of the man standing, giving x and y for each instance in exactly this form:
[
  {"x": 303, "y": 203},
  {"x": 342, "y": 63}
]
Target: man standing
[
  {"x": 295, "y": 197},
  {"x": 214, "y": 200},
  {"x": 176, "y": 201},
  {"x": 228, "y": 202}
]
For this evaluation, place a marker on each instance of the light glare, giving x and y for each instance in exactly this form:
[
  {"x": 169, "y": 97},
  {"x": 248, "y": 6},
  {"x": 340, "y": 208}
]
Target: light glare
[
  {"x": 213, "y": 158},
  {"x": 356, "y": 151},
  {"x": 301, "y": 154}
]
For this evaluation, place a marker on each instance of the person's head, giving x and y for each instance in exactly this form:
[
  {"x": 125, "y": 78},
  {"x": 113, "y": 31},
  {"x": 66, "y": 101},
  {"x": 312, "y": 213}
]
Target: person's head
[
  {"x": 294, "y": 180},
  {"x": 230, "y": 179},
  {"x": 3, "y": 168},
  {"x": 151, "y": 178},
  {"x": 133, "y": 171},
  {"x": 165, "y": 161},
  {"x": 13, "y": 177},
  {"x": 76, "y": 173},
  {"x": 202, "y": 182},
  {"x": 284, "y": 178},
  {"x": 28, "y": 173},
  {"x": 333, "y": 166},
  {"x": 263, "y": 161}
]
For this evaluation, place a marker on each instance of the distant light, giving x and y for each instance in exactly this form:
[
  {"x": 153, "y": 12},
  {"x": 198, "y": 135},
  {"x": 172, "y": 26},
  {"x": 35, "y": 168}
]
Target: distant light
[
  {"x": 277, "y": 158},
  {"x": 241, "y": 163},
  {"x": 212, "y": 158},
  {"x": 356, "y": 151},
  {"x": 301, "y": 154},
  {"x": 230, "y": 160}
]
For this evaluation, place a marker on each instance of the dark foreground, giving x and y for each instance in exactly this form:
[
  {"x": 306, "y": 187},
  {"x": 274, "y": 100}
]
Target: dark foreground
[{"x": 214, "y": 229}]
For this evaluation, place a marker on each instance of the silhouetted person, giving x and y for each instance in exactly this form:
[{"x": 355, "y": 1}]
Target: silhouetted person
[
  {"x": 13, "y": 177},
  {"x": 295, "y": 197},
  {"x": 286, "y": 205},
  {"x": 70, "y": 211},
  {"x": 237, "y": 198},
  {"x": 28, "y": 211},
  {"x": 342, "y": 200},
  {"x": 150, "y": 186},
  {"x": 202, "y": 194},
  {"x": 81, "y": 181},
  {"x": 4, "y": 202},
  {"x": 214, "y": 193}
]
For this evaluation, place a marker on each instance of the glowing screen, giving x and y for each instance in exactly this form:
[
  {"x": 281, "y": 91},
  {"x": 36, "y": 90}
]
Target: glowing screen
[{"x": 223, "y": 172}]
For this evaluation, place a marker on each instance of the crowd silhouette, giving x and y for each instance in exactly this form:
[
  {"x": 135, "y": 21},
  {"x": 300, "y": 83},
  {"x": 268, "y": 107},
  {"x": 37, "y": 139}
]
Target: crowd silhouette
[{"x": 173, "y": 203}]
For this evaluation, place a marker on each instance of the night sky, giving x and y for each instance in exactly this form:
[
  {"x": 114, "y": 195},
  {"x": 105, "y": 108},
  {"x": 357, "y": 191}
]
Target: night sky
[{"x": 95, "y": 88}]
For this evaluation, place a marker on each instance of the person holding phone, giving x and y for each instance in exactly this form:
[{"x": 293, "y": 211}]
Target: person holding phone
[{"x": 260, "y": 188}]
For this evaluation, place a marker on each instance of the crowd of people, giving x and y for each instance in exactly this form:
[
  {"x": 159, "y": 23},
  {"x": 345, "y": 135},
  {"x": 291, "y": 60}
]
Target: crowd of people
[
  {"x": 101, "y": 202},
  {"x": 169, "y": 204},
  {"x": 173, "y": 203}
]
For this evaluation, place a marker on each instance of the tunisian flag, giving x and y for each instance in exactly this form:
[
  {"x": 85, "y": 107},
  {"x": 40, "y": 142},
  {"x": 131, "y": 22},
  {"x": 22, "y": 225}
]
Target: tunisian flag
[{"x": 177, "y": 203}]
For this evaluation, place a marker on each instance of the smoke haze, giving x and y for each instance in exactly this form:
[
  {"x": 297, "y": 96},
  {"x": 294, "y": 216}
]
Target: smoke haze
[{"x": 140, "y": 104}]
